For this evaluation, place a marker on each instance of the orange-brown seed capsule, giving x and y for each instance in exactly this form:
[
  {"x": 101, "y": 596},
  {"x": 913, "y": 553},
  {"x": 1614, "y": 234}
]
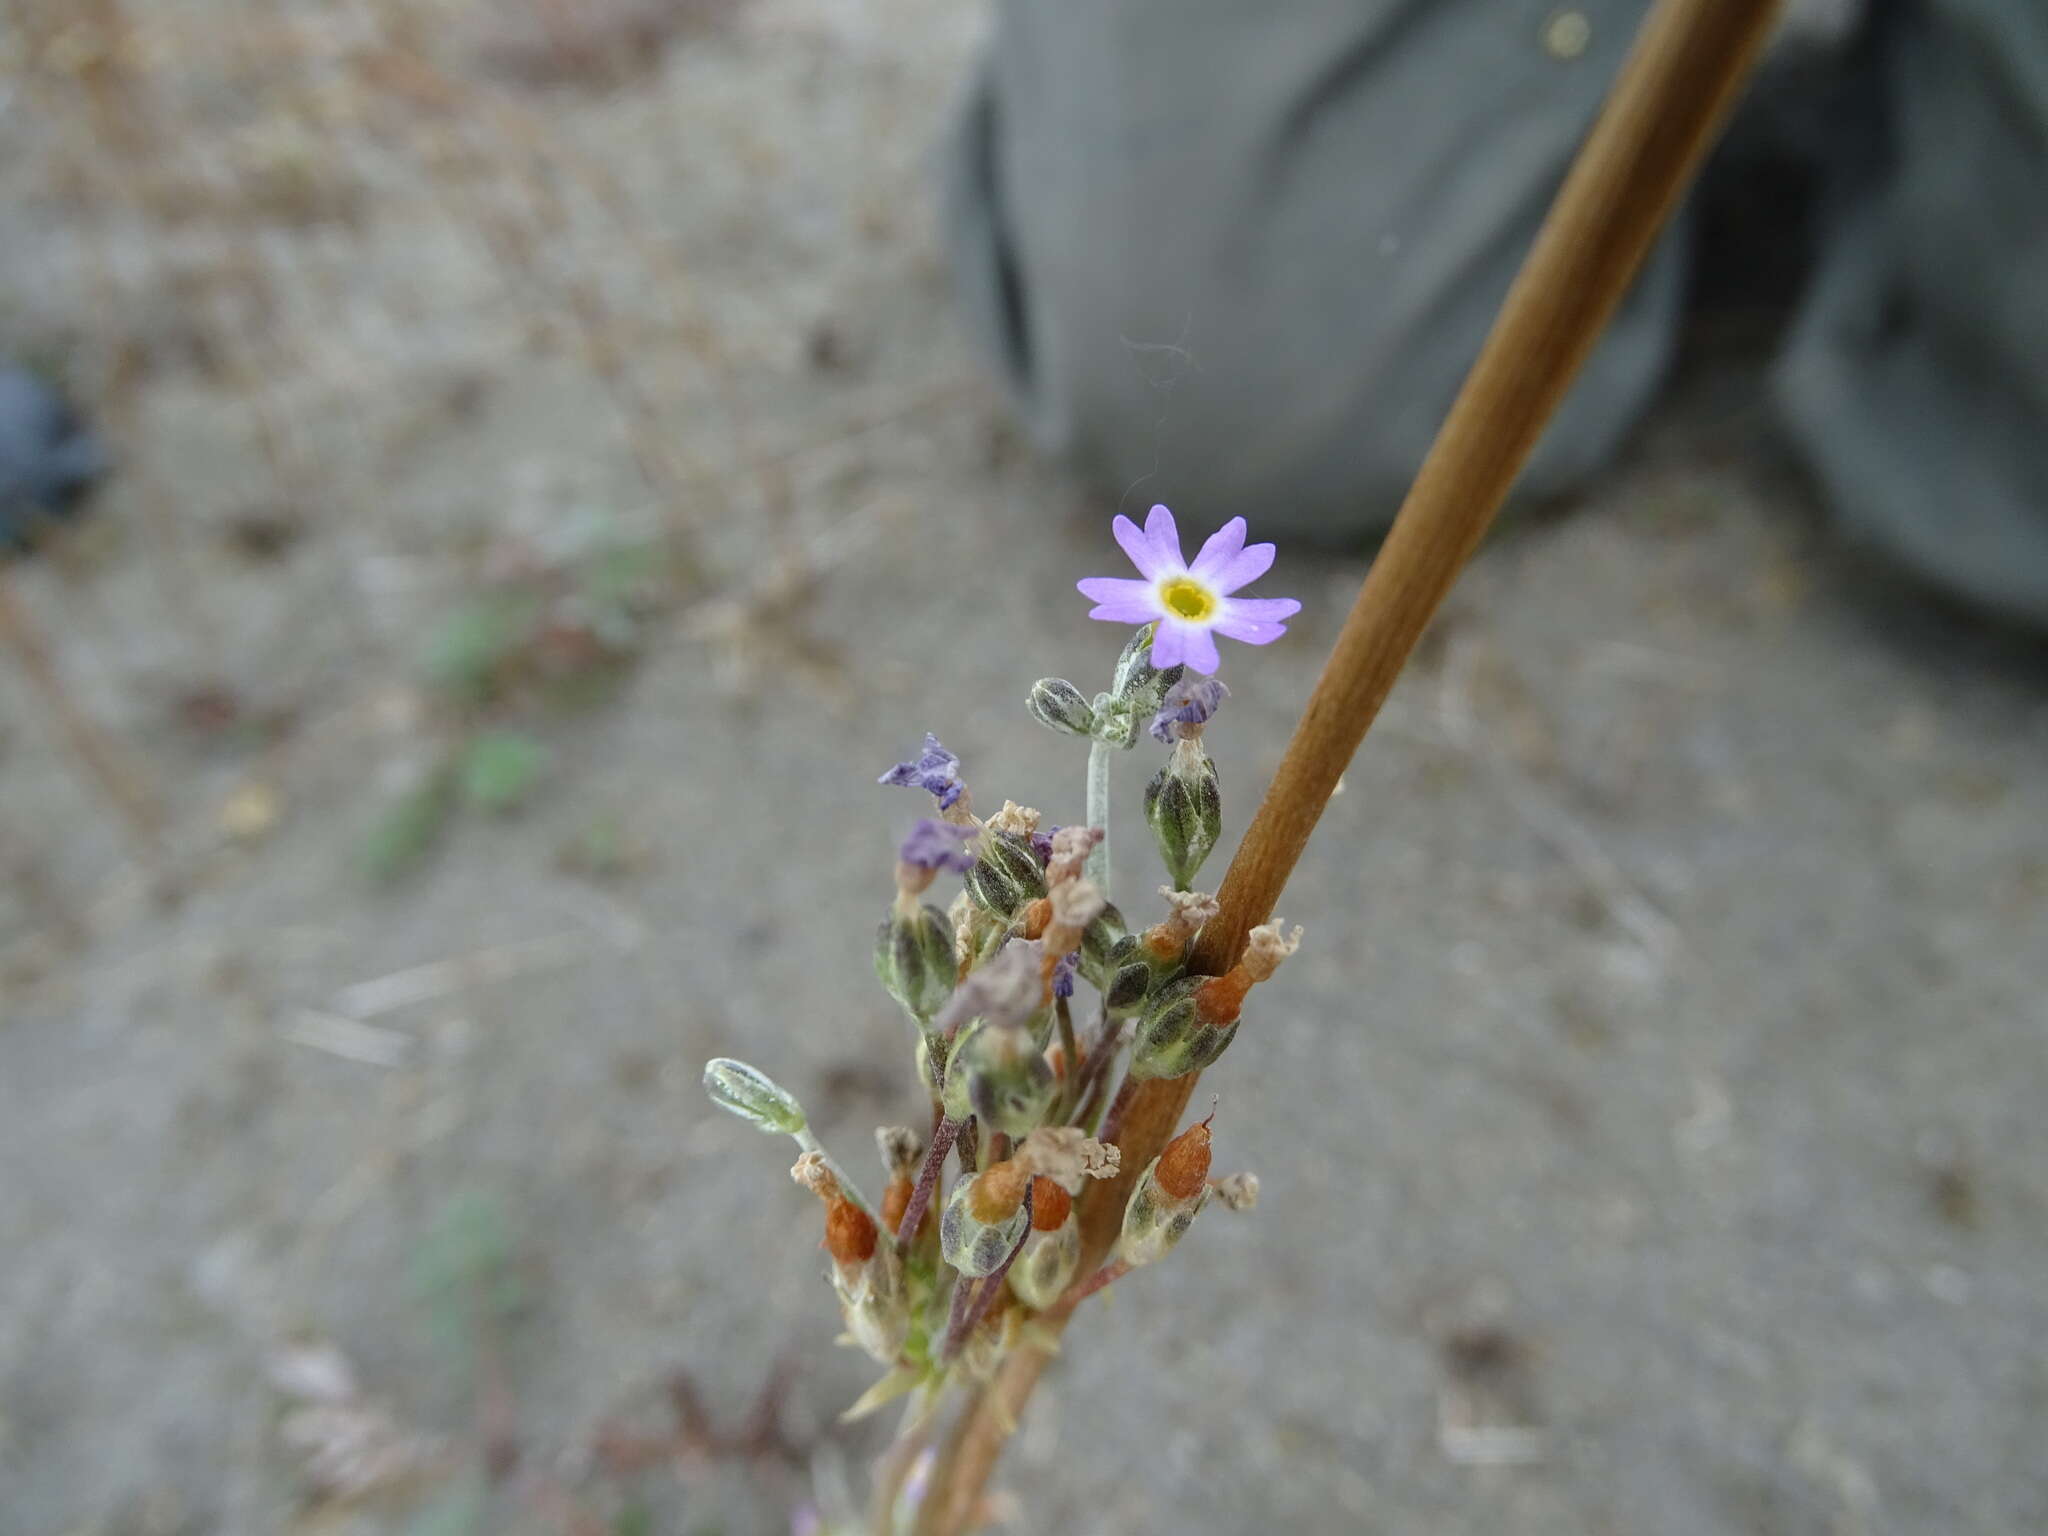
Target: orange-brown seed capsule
[
  {"x": 998, "y": 1191},
  {"x": 849, "y": 1233},
  {"x": 1220, "y": 999},
  {"x": 1050, "y": 1205},
  {"x": 1184, "y": 1164},
  {"x": 895, "y": 1201},
  {"x": 1037, "y": 914}
]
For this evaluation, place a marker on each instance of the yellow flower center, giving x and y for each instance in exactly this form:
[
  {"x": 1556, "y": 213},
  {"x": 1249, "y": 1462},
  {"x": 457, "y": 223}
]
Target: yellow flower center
[{"x": 1187, "y": 598}]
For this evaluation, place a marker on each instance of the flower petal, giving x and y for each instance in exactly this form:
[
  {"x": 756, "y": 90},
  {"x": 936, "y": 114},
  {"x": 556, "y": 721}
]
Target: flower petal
[
  {"x": 1249, "y": 565},
  {"x": 1198, "y": 649},
  {"x": 1218, "y": 552},
  {"x": 1250, "y": 631},
  {"x": 1169, "y": 644},
  {"x": 1265, "y": 610},
  {"x": 1255, "y": 620},
  {"x": 1139, "y": 546},
  {"x": 1121, "y": 601},
  {"x": 1165, "y": 537}
]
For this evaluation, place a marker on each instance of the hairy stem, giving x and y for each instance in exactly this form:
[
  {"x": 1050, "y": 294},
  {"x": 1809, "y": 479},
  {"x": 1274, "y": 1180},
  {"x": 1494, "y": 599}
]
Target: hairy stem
[
  {"x": 927, "y": 1181},
  {"x": 1097, "y": 867},
  {"x": 851, "y": 1190}
]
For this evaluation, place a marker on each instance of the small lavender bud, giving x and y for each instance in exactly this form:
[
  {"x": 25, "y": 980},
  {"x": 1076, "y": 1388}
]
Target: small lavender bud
[
  {"x": 1058, "y": 705},
  {"x": 754, "y": 1096},
  {"x": 984, "y": 1218},
  {"x": 1173, "y": 1038},
  {"x": 1052, "y": 1251},
  {"x": 1184, "y": 808},
  {"x": 914, "y": 959},
  {"x": 1006, "y": 874},
  {"x": 998, "y": 1073},
  {"x": 1170, "y": 1194}
]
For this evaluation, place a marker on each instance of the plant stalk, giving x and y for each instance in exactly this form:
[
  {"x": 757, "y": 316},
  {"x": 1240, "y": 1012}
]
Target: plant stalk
[
  {"x": 1097, "y": 867},
  {"x": 1673, "y": 92}
]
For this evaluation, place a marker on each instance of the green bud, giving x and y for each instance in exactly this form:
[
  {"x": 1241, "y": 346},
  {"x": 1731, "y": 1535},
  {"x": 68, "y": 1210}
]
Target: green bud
[
  {"x": 1137, "y": 684},
  {"x": 1045, "y": 1265},
  {"x": 1005, "y": 874},
  {"x": 984, "y": 1217},
  {"x": 1099, "y": 941},
  {"x": 1058, "y": 705},
  {"x": 1154, "y": 1222},
  {"x": 998, "y": 1074},
  {"x": 1169, "y": 1196},
  {"x": 753, "y": 1096},
  {"x": 875, "y": 1303},
  {"x": 1115, "y": 722},
  {"x": 1127, "y": 989},
  {"x": 1171, "y": 1039},
  {"x": 1184, "y": 808},
  {"x": 914, "y": 959}
]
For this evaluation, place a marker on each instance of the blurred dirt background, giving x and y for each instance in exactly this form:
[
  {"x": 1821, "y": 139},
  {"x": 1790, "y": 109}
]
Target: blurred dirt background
[{"x": 550, "y": 485}]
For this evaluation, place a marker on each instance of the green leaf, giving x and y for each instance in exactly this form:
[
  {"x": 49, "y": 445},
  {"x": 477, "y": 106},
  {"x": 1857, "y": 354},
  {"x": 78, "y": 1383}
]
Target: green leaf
[
  {"x": 457, "y": 1512},
  {"x": 500, "y": 769},
  {"x": 408, "y": 826},
  {"x": 471, "y": 644}
]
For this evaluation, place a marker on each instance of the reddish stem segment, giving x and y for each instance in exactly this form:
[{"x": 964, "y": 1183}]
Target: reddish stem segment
[{"x": 927, "y": 1181}]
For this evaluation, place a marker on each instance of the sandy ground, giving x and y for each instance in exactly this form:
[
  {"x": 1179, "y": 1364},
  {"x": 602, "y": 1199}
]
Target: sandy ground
[{"x": 1650, "y": 1128}]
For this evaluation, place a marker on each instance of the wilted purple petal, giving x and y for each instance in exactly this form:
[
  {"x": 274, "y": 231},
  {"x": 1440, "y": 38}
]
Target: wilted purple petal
[
  {"x": 1005, "y": 989},
  {"x": 1216, "y": 554},
  {"x": 1191, "y": 701},
  {"x": 935, "y": 769},
  {"x": 939, "y": 845},
  {"x": 1063, "y": 975},
  {"x": 1041, "y": 844}
]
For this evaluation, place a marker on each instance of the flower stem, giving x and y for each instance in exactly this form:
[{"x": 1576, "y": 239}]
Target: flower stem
[
  {"x": 1097, "y": 867},
  {"x": 810, "y": 1143},
  {"x": 927, "y": 1180}
]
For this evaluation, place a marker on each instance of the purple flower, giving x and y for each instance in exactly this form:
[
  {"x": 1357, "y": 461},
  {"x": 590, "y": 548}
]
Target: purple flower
[
  {"x": 934, "y": 769},
  {"x": 1063, "y": 975},
  {"x": 1041, "y": 844},
  {"x": 1190, "y": 600},
  {"x": 1189, "y": 702},
  {"x": 939, "y": 845}
]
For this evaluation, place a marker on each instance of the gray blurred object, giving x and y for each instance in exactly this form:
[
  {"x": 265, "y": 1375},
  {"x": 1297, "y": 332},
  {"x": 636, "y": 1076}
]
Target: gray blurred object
[
  {"x": 1240, "y": 257},
  {"x": 49, "y": 457}
]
